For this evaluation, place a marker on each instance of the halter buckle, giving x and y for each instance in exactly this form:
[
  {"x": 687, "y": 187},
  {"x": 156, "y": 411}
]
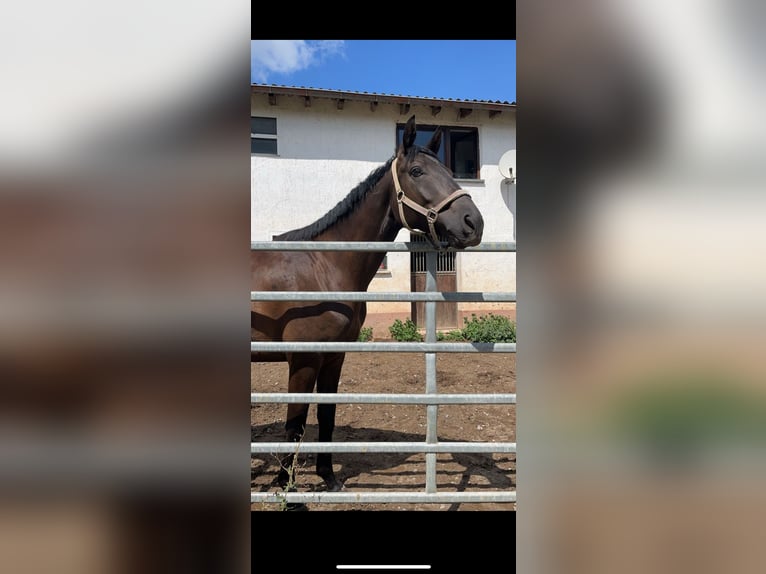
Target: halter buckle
[
  {"x": 399, "y": 196},
  {"x": 431, "y": 215}
]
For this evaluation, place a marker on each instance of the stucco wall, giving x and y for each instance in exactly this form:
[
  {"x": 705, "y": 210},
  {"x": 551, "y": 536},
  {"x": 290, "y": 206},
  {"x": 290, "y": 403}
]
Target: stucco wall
[{"x": 324, "y": 152}]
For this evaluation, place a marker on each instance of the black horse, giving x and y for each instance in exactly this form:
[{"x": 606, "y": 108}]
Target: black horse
[{"x": 413, "y": 189}]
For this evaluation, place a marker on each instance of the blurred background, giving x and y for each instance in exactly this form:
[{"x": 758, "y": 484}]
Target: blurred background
[
  {"x": 124, "y": 201},
  {"x": 642, "y": 307},
  {"x": 124, "y": 218}
]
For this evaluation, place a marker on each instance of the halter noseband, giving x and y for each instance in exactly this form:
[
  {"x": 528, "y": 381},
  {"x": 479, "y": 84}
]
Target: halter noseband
[{"x": 431, "y": 214}]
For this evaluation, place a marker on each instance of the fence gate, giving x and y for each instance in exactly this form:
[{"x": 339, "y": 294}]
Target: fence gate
[{"x": 431, "y": 398}]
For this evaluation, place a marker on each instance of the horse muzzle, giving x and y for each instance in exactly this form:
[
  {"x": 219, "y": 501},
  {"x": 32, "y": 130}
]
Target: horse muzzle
[{"x": 466, "y": 228}]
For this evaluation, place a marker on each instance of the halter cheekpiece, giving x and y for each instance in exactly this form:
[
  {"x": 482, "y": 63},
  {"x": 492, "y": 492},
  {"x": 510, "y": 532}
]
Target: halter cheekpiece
[{"x": 431, "y": 214}]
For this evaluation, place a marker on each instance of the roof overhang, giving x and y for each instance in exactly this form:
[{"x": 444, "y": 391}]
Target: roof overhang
[{"x": 273, "y": 92}]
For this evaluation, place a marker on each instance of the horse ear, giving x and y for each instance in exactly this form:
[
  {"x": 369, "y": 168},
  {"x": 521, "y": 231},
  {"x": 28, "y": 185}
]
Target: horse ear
[
  {"x": 409, "y": 134},
  {"x": 436, "y": 141}
]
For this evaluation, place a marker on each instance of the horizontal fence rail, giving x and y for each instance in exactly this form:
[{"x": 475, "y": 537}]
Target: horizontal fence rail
[
  {"x": 383, "y": 398},
  {"x": 439, "y": 296},
  {"x": 361, "y": 446},
  {"x": 431, "y": 399},
  {"x": 306, "y": 347},
  {"x": 382, "y": 497},
  {"x": 396, "y": 246}
]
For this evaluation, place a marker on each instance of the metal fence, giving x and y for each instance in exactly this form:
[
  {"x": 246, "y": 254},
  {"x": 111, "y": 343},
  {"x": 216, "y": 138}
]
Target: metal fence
[{"x": 431, "y": 399}]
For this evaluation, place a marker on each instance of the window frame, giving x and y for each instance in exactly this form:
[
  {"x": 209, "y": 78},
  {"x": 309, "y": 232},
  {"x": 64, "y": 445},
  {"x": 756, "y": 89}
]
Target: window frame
[
  {"x": 262, "y": 136},
  {"x": 446, "y": 144}
]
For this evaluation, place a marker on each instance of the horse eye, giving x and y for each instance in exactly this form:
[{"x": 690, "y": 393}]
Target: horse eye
[{"x": 416, "y": 172}]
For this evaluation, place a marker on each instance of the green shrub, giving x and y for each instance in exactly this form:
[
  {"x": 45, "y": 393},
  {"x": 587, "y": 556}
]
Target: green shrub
[
  {"x": 489, "y": 329},
  {"x": 456, "y": 335},
  {"x": 407, "y": 331},
  {"x": 365, "y": 334}
]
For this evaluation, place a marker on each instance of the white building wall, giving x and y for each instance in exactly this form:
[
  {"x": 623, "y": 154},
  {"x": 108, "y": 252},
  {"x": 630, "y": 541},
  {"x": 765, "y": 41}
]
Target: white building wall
[
  {"x": 496, "y": 201},
  {"x": 324, "y": 152}
]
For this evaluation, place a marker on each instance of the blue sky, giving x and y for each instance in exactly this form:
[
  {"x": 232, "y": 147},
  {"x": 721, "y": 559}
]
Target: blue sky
[{"x": 463, "y": 69}]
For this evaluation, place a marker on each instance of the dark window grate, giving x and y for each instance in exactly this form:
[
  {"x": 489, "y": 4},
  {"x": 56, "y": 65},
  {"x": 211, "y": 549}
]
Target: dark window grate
[{"x": 445, "y": 261}]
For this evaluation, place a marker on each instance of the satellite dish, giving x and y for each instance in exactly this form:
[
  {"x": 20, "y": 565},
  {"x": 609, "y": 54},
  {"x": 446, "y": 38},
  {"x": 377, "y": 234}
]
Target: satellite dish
[{"x": 507, "y": 166}]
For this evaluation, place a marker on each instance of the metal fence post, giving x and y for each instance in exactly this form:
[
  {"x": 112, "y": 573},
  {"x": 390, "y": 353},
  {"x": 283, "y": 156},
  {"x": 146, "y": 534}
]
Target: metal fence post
[{"x": 432, "y": 411}]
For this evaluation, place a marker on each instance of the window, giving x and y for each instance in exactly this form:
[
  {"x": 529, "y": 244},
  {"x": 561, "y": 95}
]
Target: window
[
  {"x": 459, "y": 150},
  {"x": 263, "y": 135}
]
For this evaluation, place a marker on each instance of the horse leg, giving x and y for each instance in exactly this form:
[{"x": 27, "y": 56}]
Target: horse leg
[
  {"x": 327, "y": 382},
  {"x": 303, "y": 374}
]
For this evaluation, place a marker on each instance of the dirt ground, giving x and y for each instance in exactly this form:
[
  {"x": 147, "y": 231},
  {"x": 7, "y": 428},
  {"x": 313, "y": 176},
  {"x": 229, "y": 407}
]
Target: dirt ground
[{"x": 392, "y": 373}]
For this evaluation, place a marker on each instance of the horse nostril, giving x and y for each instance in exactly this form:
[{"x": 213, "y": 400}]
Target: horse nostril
[{"x": 468, "y": 222}]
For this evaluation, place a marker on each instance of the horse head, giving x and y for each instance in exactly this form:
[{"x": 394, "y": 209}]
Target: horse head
[{"x": 427, "y": 200}]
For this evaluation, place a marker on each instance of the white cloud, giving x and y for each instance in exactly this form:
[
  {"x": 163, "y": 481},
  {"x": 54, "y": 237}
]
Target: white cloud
[{"x": 286, "y": 56}]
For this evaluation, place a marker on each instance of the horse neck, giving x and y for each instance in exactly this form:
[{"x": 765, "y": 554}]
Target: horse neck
[{"x": 372, "y": 220}]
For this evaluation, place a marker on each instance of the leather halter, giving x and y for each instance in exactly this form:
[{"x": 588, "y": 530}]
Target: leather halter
[{"x": 431, "y": 214}]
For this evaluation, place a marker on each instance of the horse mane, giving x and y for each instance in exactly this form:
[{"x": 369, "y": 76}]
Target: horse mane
[
  {"x": 343, "y": 209},
  {"x": 347, "y": 205}
]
